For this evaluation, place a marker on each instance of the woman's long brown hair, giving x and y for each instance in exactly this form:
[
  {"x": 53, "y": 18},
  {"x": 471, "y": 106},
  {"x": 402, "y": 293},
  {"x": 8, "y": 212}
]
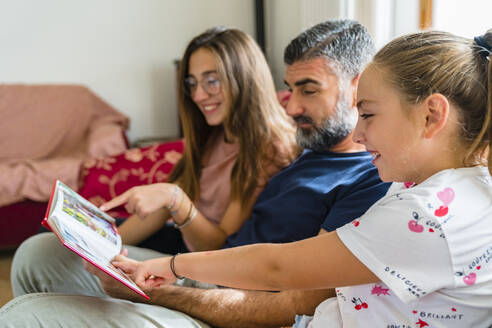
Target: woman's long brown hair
[{"x": 255, "y": 119}]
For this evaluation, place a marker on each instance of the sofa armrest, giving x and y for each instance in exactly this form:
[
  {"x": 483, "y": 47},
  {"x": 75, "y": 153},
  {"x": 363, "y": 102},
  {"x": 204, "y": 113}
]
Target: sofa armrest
[
  {"x": 107, "y": 140},
  {"x": 104, "y": 178}
]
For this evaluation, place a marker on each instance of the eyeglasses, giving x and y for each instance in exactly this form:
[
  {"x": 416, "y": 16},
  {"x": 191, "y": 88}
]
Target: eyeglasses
[{"x": 210, "y": 84}]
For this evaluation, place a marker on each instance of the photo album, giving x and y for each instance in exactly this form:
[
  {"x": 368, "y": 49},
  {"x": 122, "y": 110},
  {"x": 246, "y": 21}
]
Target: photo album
[{"x": 86, "y": 230}]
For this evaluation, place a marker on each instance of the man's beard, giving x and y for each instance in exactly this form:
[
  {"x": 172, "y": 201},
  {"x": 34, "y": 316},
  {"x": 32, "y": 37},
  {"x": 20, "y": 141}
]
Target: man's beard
[{"x": 332, "y": 131}]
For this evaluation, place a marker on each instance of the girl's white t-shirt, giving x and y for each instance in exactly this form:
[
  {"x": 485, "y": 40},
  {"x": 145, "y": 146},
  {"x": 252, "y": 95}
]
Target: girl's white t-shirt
[{"x": 431, "y": 246}]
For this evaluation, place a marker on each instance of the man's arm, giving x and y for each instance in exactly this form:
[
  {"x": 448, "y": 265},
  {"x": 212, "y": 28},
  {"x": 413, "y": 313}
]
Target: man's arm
[
  {"x": 229, "y": 308},
  {"x": 233, "y": 308}
]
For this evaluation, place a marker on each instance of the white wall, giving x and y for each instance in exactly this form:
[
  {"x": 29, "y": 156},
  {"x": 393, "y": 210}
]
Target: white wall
[
  {"x": 124, "y": 49},
  {"x": 121, "y": 49},
  {"x": 285, "y": 19},
  {"x": 468, "y": 19}
]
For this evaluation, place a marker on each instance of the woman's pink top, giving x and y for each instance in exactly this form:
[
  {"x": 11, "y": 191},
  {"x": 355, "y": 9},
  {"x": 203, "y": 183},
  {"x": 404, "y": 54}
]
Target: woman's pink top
[{"x": 215, "y": 180}]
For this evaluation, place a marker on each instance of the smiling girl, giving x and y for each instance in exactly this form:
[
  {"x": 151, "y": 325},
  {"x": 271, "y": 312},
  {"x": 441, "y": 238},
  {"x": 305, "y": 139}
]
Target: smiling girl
[
  {"x": 236, "y": 136},
  {"x": 422, "y": 255}
]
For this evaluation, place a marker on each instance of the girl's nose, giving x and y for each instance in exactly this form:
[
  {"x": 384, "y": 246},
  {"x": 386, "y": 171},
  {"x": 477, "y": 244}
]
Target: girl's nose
[{"x": 358, "y": 134}]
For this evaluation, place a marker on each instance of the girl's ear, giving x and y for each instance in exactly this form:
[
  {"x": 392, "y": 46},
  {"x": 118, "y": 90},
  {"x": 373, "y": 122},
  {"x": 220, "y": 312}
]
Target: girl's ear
[{"x": 436, "y": 112}]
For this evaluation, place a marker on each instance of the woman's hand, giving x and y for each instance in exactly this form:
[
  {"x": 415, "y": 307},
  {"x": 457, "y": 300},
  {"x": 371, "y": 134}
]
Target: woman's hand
[
  {"x": 144, "y": 200},
  {"x": 147, "y": 274}
]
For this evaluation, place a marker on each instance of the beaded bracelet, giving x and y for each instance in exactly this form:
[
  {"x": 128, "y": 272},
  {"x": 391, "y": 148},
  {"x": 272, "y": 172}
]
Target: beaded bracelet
[
  {"x": 173, "y": 213},
  {"x": 175, "y": 196},
  {"x": 173, "y": 268},
  {"x": 175, "y": 202}
]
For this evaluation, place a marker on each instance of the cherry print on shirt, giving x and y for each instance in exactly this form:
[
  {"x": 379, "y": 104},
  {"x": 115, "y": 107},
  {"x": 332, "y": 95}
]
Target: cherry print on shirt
[
  {"x": 379, "y": 290},
  {"x": 432, "y": 225},
  {"x": 413, "y": 225},
  {"x": 453, "y": 309},
  {"x": 356, "y": 223},
  {"x": 359, "y": 304},
  {"x": 469, "y": 278}
]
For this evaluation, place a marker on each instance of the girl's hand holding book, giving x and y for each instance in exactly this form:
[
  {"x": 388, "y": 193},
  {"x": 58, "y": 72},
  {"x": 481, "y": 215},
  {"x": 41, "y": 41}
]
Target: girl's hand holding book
[{"x": 147, "y": 274}]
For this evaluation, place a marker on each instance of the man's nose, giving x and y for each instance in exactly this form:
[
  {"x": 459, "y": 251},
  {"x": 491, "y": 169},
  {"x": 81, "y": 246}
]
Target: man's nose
[{"x": 294, "y": 106}]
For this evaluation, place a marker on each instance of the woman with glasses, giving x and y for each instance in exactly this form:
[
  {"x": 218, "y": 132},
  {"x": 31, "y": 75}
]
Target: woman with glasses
[{"x": 236, "y": 137}]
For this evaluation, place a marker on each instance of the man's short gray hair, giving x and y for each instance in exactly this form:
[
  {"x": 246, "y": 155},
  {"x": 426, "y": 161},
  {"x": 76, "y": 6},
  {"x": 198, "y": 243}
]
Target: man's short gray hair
[{"x": 345, "y": 43}]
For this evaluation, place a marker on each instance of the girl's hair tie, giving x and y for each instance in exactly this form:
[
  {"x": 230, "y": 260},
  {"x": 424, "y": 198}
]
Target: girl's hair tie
[{"x": 484, "y": 45}]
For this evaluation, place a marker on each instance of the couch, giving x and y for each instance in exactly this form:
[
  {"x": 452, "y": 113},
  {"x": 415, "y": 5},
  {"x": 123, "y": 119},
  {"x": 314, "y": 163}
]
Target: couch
[{"x": 46, "y": 133}]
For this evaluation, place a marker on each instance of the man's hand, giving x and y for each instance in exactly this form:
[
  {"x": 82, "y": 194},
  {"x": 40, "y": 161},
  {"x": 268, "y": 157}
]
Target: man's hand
[{"x": 144, "y": 200}]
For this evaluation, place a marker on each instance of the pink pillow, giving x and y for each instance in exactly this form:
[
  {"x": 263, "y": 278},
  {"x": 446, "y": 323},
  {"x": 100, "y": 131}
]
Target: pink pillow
[{"x": 105, "y": 178}]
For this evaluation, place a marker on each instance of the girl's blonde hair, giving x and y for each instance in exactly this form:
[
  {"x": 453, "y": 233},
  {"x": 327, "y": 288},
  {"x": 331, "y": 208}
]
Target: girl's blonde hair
[
  {"x": 255, "y": 119},
  {"x": 459, "y": 68}
]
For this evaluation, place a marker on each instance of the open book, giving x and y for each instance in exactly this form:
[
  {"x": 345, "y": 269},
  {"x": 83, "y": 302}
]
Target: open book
[{"x": 86, "y": 230}]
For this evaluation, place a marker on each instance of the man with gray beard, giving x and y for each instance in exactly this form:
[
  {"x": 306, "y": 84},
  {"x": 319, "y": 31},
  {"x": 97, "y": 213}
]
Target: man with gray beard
[{"x": 332, "y": 183}]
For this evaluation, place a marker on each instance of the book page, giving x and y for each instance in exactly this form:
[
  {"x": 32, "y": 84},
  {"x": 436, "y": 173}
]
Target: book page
[
  {"x": 79, "y": 245},
  {"x": 87, "y": 231},
  {"x": 88, "y": 222}
]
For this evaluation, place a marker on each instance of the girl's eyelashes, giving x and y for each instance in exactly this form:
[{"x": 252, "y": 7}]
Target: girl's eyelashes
[{"x": 366, "y": 116}]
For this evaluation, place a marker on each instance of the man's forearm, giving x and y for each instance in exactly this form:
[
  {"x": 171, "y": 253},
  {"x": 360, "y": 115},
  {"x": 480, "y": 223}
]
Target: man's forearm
[{"x": 233, "y": 308}]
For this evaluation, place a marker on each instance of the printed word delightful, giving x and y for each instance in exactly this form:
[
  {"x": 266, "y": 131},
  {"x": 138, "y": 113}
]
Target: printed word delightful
[{"x": 411, "y": 286}]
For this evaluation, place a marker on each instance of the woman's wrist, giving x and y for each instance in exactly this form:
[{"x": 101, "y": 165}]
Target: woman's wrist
[
  {"x": 181, "y": 208},
  {"x": 174, "y": 197},
  {"x": 175, "y": 201}
]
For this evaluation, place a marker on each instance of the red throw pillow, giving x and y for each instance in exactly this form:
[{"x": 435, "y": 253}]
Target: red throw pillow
[
  {"x": 283, "y": 97},
  {"x": 105, "y": 178}
]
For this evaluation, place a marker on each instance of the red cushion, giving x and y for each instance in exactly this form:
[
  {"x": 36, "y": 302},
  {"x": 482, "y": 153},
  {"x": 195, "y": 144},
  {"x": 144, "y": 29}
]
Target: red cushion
[
  {"x": 104, "y": 178},
  {"x": 283, "y": 97}
]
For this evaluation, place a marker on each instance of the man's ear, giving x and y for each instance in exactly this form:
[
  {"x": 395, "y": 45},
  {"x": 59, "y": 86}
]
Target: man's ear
[
  {"x": 354, "y": 83},
  {"x": 436, "y": 113}
]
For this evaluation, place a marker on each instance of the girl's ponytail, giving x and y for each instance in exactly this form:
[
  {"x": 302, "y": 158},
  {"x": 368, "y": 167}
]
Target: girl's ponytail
[{"x": 486, "y": 54}]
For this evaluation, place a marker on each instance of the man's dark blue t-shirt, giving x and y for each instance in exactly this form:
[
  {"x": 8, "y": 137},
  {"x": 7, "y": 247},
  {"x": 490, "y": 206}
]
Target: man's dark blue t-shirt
[{"x": 318, "y": 190}]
